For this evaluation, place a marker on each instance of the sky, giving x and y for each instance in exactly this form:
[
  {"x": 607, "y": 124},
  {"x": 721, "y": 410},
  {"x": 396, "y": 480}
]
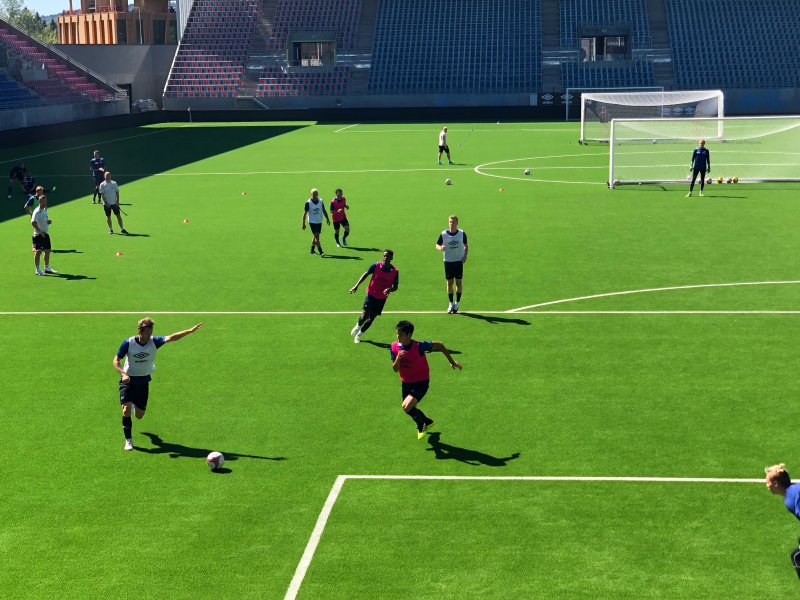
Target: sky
[{"x": 50, "y": 7}]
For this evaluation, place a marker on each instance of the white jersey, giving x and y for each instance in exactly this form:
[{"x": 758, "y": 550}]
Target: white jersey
[
  {"x": 455, "y": 245},
  {"x": 443, "y": 138},
  {"x": 110, "y": 192},
  {"x": 315, "y": 211},
  {"x": 39, "y": 217},
  {"x": 140, "y": 360}
]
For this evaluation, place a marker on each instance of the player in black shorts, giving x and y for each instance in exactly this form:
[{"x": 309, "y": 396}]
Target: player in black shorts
[{"x": 17, "y": 173}]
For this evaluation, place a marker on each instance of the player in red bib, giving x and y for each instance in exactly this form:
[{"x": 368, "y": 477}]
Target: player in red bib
[
  {"x": 409, "y": 360},
  {"x": 339, "y": 216},
  {"x": 385, "y": 279}
]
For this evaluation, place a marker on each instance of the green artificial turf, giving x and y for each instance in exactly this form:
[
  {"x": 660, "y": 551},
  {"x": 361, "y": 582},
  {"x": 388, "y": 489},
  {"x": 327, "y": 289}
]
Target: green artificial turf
[{"x": 589, "y": 381}]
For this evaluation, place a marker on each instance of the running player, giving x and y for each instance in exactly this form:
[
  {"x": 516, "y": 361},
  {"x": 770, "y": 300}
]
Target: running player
[
  {"x": 338, "y": 206},
  {"x": 409, "y": 360},
  {"x": 315, "y": 209},
  {"x": 385, "y": 280},
  {"x": 17, "y": 173},
  {"x": 139, "y": 353}
]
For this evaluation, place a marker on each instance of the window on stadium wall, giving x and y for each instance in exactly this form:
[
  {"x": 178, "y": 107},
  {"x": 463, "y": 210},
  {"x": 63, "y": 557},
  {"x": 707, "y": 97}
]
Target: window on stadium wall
[
  {"x": 159, "y": 31},
  {"x": 604, "y": 48},
  {"x": 122, "y": 31},
  {"x": 312, "y": 54}
]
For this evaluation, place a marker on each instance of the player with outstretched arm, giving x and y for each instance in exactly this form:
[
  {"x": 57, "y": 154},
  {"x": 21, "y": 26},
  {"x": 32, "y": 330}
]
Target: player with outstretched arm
[
  {"x": 139, "y": 353},
  {"x": 409, "y": 360},
  {"x": 385, "y": 280}
]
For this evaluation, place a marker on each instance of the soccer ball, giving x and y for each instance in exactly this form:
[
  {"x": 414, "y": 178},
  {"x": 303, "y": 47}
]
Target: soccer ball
[
  {"x": 448, "y": 181},
  {"x": 616, "y": 182},
  {"x": 735, "y": 180},
  {"x": 215, "y": 460},
  {"x": 655, "y": 141},
  {"x": 729, "y": 180},
  {"x": 709, "y": 180},
  {"x": 719, "y": 179},
  {"x": 527, "y": 171}
]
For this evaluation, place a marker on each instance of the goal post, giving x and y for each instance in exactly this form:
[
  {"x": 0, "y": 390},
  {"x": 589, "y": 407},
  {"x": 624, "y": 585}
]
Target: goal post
[
  {"x": 598, "y": 110},
  {"x": 749, "y": 149}
]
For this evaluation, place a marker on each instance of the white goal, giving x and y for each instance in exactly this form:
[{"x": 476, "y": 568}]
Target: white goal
[
  {"x": 747, "y": 149},
  {"x": 598, "y": 110}
]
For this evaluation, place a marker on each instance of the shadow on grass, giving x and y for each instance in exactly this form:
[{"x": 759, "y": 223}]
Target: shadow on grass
[
  {"x": 475, "y": 458},
  {"x": 181, "y": 451},
  {"x": 386, "y": 346},
  {"x": 495, "y": 320},
  {"x": 129, "y": 234},
  {"x": 71, "y": 276},
  {"x": 70, "y": 251},
  {"x": 357, "y": 249},
  {"x": 341, "y": 257}
]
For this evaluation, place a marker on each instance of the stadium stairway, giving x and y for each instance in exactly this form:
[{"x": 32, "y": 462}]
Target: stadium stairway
[{"x": 359, "y": 79}]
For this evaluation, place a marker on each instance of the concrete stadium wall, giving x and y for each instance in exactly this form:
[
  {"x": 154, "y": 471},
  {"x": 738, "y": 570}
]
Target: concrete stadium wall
[
  {"x": 143, "y": 68},
  {"x": 59, "y": 113}
]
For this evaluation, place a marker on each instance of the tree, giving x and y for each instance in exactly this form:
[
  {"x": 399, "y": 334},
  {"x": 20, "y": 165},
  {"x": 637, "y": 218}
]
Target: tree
[{"x": 21, "y": 17}]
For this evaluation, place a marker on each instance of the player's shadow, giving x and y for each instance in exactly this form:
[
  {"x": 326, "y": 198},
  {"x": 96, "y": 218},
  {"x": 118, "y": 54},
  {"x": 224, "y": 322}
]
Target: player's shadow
[
  {"x": 340, "y": 257},
  {"x": 71, "y": 276},
  {"x": 129, "y": 234},
  {"x": 70, "y": 251},
  {"x": 383, "y": 345},
  {"x": 475, "y": 458},
  {"x": 181, "y": 451},
  {"x": 357, "y": 249},
  {"x": 494, "y": 319}
]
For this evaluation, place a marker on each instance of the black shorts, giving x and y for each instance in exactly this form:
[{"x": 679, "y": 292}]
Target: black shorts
[
  {"x": 444, "y": 148},
  {"x": 109, "y": 209},
  {"x": 136, "y": 393},
  {"x": 417, "y": 389},
  {"x": 373, "y": 305},
  {"x": 453, "y": 270},
  {"x": 16, "y": 175},
  {"x": 98, "y": 178},
  {"x": 315, "y": 227},
  {"x": 337, "y": 224},
  {"x": 41, "y": 242}
]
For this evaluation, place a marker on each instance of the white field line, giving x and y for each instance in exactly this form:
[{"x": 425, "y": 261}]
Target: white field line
[
  {"x": 451, "y": 131},
  {"x": 443, "y": 169},
  {"x": 327, "y": 508},
  {"x": 316, "y": 534},
  {"x": 92, "y": 145},
  {"x": 645, "y": 291},
  {"x": 267, "y": 313},
  {"x": 348, "y": 127},
  {"x": 490, "y": 165}
]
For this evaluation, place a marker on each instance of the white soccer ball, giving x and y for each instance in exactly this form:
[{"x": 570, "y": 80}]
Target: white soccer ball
[
  {"x": 527, "y": 171},
  {"x": 215, "y": 460},
  {"x": 448, "y": 181}
]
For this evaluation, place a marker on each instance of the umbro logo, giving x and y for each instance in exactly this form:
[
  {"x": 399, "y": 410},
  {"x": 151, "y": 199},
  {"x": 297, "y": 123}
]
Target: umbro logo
[{"x": 141, "y": 355}]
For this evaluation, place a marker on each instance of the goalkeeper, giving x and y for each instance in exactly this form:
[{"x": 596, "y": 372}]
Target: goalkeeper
[{"x": 701, "y": 164}]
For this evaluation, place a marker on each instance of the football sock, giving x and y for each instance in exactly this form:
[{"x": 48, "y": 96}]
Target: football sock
[
  {"x": 312, "y": 248},
  {"x": 127, "y": 425},
  {"x": 320, "y": 249},
  {"x": 336, "y": 237},
  {"x": 417, "y": 417},
  {"x": 366, "y": 325},
  {"x": 451, "y": 298},
  {"x": 458, "y": 296}
]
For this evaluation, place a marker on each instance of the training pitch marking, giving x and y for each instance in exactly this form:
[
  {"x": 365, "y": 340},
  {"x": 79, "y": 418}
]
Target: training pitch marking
[
  {"x": 348, "y": 127},
  {"x": 650, "y": 290},
  {"x": 489, "y": 165},
  {"x": 327, "y": 508},
  {"x": 268, "y": 313}
]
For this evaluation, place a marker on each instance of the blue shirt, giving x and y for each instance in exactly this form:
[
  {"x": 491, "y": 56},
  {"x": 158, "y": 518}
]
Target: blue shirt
[
  {"x": 701, "y": 158},
  {"x": 423, "y": 347},
  {"x": 792, "y": 499},
  {"x": 158, "y": 340},
  {"x": 32, "y": 199},
  {"x": 97, "y": 163}
]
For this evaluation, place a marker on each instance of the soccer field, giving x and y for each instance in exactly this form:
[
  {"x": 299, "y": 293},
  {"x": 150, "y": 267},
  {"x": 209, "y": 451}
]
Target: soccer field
[{"x": 630, "y": 367}]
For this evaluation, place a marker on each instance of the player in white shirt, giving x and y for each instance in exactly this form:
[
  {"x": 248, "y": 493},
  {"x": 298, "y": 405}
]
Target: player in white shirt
[
  {"x": 139, "y": 353},
  {"x": 109, "y": 192},
  {"x": 443, "y": 147},
  {"x": 315, "y": 209},
  {"x": 41, "y": 236},
  {"x": 453, "y": 243}
]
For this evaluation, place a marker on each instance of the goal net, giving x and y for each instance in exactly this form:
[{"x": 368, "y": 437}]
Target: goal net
[
  {"x": 751, "y": 149},
  {"x": 573, "y": 113},
  {"x": 598, "y": 110}
]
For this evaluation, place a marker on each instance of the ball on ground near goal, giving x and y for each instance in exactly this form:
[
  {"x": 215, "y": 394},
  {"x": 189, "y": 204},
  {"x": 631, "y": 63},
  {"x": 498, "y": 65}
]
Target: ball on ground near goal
[
  {"x": 616, "y": 182},
  {"x": 527, "y": 171},
  {"x": 448, "y": 182},
  {"x": 729, "y": 180},
  {"x": 709, "y": 180},
  {"x": 215, "y": 460},
  {"x": 735, "y": 180},
  {"x": 719, "y": 179},
  {"x": 654, "y": 141}
]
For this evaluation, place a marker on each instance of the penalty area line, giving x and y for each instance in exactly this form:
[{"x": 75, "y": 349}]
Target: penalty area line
[
  {"x": 333, "y": 495},
  {"x": 348, "y": 127}
]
